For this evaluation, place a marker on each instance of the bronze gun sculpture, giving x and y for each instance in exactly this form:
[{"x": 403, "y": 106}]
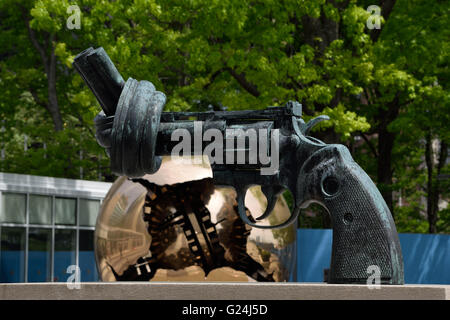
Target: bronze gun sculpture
[{"x": 135, "y": 133}]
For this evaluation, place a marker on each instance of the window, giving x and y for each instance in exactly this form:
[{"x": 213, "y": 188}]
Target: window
[
  {"x": 39, "y": 254},
  {"x": 12, "y": 256},
  {"x": 13, "y": 207},
  {"x": 40, "y": 209},
  {"x": 87, "y": 256},
  {"x": 65, "y": 253},
  {"x": 88, "y": 212},
  {"x": 46, "y": 225},
  {"x": 65, "y": 211}
]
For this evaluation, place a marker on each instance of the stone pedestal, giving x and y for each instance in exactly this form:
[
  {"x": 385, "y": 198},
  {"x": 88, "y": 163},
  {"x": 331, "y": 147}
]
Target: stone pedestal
[{"x": 218, "y": 291}]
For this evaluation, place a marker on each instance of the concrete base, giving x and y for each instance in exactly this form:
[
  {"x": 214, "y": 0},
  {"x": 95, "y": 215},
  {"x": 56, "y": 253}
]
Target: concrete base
[{"x": 218, "y": 291}]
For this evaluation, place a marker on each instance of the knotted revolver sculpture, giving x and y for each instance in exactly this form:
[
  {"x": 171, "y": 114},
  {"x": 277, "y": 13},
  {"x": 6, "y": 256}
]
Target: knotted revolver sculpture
[{"x": 136, "y": 133}]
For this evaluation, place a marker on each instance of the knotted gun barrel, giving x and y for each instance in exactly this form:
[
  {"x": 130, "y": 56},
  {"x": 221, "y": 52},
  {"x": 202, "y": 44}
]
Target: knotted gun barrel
[{"x": 135, "y": 133}]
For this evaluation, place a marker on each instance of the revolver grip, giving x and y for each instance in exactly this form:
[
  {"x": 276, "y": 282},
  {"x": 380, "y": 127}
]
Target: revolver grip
[{"x": 364, "y": 232}]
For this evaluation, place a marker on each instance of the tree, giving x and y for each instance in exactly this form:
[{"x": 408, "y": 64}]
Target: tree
[
  {"x": 45, "y": 131},
  {"x": 238, "y": 54},
  {"x": 415, "y": 40}
]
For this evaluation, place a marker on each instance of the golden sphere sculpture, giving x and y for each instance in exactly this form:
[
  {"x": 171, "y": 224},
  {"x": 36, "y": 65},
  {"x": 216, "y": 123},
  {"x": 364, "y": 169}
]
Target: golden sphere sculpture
[{"x": 175, "y": 225}]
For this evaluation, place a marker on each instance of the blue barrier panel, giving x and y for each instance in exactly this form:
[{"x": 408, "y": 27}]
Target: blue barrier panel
[
  {"x": 88, "y": 267},
  {"x": 63, "y": 259},
  {"x": 12, "y": 267},
  {"x": 426, "y": 257},
  {"x": 313, "y": 253},
  {"x": 39, "y": 266}
]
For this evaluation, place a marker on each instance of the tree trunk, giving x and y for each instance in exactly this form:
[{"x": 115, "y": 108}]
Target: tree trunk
[
  {"x": 384, "y": 165},
  {"x": 430, "y": 205},
  {"x": 385, "y": 144},
  {"x": 53, "y": 106},
  {"x": 386, "y": 8},
  {"x": 433, "y": 185},
  {"x": 443, "y": 154},
  {"x": 49, "y": 63}
]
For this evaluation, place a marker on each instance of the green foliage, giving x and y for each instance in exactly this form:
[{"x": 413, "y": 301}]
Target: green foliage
[
  {"x": 344, "y": 121},
  {"x": 408, "y": 220},
  {"x": 237, "y": 54}
]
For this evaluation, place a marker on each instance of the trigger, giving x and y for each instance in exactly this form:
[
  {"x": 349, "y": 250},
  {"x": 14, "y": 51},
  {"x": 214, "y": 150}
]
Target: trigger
[
  {"x": 271, "y": 193},
  {"x": 241, "y": 208}
]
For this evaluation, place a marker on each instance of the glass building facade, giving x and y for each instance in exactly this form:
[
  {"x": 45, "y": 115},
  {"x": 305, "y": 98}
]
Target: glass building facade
[{"x": 46, "y": 225}]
